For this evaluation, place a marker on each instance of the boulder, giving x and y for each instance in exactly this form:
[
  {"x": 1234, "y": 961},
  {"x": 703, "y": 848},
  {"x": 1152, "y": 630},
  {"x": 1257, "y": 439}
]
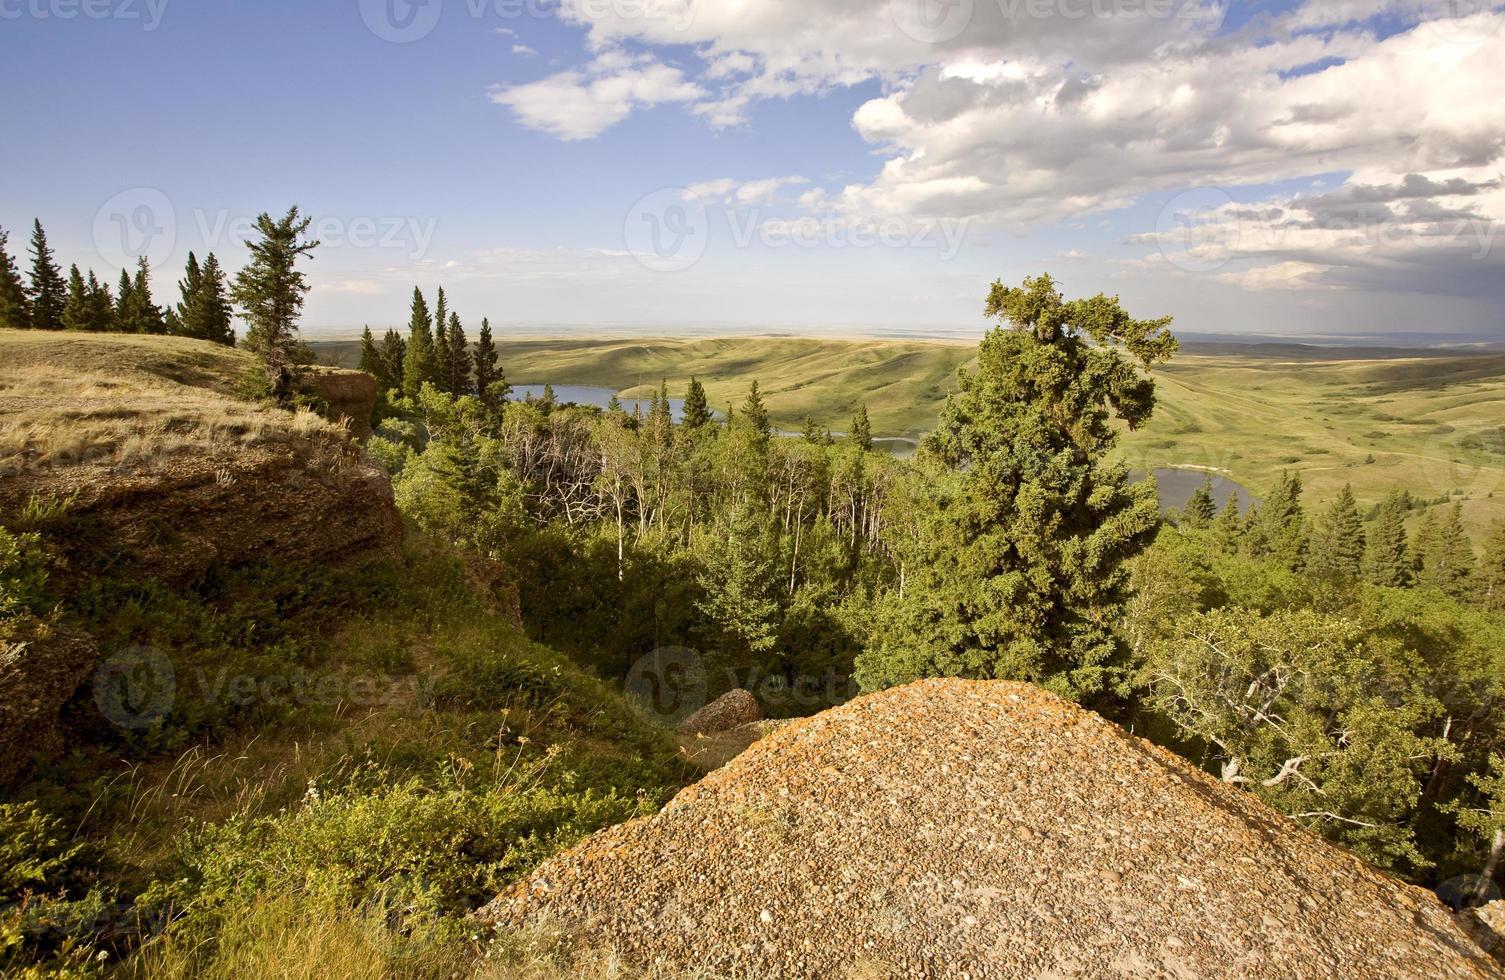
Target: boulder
[
  {"x": 41, "y": 666},
  {"x": 349, "y": 395},
  {"x": 736, "y": 707}
]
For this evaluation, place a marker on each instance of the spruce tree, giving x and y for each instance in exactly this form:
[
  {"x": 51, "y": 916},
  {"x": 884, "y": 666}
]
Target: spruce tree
[
  {"x": 548, "y": 402},
  {"x": 213, "y": 313},
  {"x": 1228, "y": 529},
  {"x": 1491, "y": 577},
  {"x": 393, "y": 351},
  {"x": 1387, "y": 555},
  {"x": 443, "y": 359},
  {"x": 371, "y": 360},
  {"x": 459, "y": 357},
  {"x": 490, "y": 382},
  {"x": 418, "y": 364},
  {"x": 124, "y": 317},
  {"x": 1446, "y": 556},
  {"x": 15, "y": 309},
  {"x": 1021, "y": 572},
  {"x": 814, "y": 434},
  {"x": 76, "y": 306},
  {"x": 190, "y": 286},
  {"x": 270, "y": 292},
  {"x": 697, "y": 412},
  {"x": 135, "y": 310},
  {"x": 862, "y": 430},
  {"x": 1200, "y": 507},
  {"x": 756, "y": 413},
  {"x": 1337, "y": 545},
  {"x": 1278, "y": 525},
  {"x": 47, "y": 293},
  {"x": 1424, "y": 545},
  {"x": 101, "y": 305}
]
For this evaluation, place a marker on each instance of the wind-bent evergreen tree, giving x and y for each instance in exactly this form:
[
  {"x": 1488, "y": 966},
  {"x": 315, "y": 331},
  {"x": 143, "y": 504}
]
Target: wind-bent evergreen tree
[
  {"x": 419, "y": 364},
  {"x": 1387, "y": 554},
  {"x": 205, "y": 312},
  {"x": 1018, "y": 570},
  {"x": 1444, "y": 556},
  {"x": 270, "y": 292},
  {"x": 48, "y": 292},
  {"x": 101, "y": 305},
  {"x": 15, "y": 309},
  {"x": 490, "y": 382},
  {"x": 697, "y": 413},
  {"x": 756, "y": 414},
  {"x": 862, "y": 430},
  {"x": 1201, "y": 510},
  {"x": 458, "y": 379},
  {"x": 393, "y": 351},
  {"x": 76, "y": 306},
  {"x": 371, "y": 360},
  {"x": 1491, "y": 578},
  {"x": 1337, "y": 546}
]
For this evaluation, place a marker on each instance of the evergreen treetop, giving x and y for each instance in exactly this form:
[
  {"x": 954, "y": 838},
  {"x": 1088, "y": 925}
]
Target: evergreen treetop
[
  {"x": 270, "y": 292},
  {"x": 48, "y": 292}
]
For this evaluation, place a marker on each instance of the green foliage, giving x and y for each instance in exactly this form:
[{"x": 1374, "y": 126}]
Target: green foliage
[
  {"x": 1444, "y": 557},
  {"x": 204, "y": 312},
  {"x": 862, "y": 430},
  {"x": 1387, "y": 555},
  {"x": 420, "y": 363},
  {"x": 1200, "y": 508},
  {"x": 1277, "y": 526},
  {"x": 1337, "y": 546},
  {"x": 1491, "y": 577},
  {"x": 15, "y": 308},
  {"x": 490, "y": 380},
  {"x": 1018, "y": 570},
  {"x": 270, "y": 292},
  {"x": 47, "y": 292},
  {"x": 697, "y": 411},
  {"x": 755, "y": 413},
  {"x": 76, "y": 306},
  {"x": 23, "y": 573}
]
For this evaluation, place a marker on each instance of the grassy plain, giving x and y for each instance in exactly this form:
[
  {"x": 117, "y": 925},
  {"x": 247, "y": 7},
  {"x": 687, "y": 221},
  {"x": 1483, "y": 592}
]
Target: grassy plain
[{"x": 1430, "y": 423}]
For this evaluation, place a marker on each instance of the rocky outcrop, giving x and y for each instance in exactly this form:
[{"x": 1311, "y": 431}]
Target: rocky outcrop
[
  {"x": 349, "y": 395},
  {"x": 737, "y": 707},
  {"x": 41, "y": 665},
  {"x": 981, "y": 829}
]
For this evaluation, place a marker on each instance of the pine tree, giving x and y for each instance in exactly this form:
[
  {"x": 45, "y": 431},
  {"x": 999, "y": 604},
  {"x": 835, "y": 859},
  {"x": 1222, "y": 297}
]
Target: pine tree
[
  {"x": 190, "y": 287},
  {"x": 459, "y": 357},
  {"x": 1228, "y": 529},
  {"x": 101, "y": 305},
  {"x": 1200, "y": 507},
  {"x": 756, "y": 414},
  {"x": 270, "y": 292},
  {"x": 444, "y": 365},
  {"x": 862, "y": 430},
  {"x": 548, "y": 402},
  {"x": 1021, "y": 572},
  {"x": 418, "y": 365},
  {"x": 135, "y": 309},
  {"x": 393, "y": 351},
  {"x": 1445, "y": 556},
  {"x": 371, "y": 360},
  {"x": 1491, "y": 577},
  {"x": 1424, "y": 545},
  {"x": 15, "y": 309},
  {"x": 697, "y": 411},
  {"x": 47, "y": 292},
  {"x": 204, "y": 312},
  {"x": 1387, "y": 555},
  {"x": 124, "y": 317},
  {"x": 1278, "y": 525},
  {"x": 1337, "y": 546},
  {"x": 76, "y": 306},
  {"x": 814, "y": 434},
  {"x": 490, "y": 383}
]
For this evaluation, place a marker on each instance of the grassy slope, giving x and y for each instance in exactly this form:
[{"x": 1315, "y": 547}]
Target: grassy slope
[{"x": 1430, "y": 423}]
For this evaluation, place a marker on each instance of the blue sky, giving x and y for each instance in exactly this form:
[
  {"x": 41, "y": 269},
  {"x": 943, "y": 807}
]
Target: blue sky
[{"x": 1244, "y": 169}]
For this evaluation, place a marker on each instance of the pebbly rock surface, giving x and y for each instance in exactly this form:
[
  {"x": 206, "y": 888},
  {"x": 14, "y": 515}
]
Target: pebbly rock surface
[
  {"x": 736, "y": 707},
  {"x": 981, "y": 829}
]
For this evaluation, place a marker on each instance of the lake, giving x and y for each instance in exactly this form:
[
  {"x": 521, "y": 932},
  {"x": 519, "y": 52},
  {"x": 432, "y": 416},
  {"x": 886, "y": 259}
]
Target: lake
[{"x": 1177, "y": 485}]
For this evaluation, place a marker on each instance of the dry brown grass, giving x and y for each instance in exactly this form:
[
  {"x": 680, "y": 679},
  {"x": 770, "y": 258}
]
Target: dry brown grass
[{"x": 128, "y": 401}]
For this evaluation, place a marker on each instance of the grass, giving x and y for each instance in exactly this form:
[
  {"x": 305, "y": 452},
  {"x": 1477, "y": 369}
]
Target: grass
[{"x": 1430, "y": 424}]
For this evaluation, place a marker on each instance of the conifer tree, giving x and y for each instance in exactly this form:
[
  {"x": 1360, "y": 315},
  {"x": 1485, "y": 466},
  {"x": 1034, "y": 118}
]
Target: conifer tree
[
  {"x": 270, "y": 292},
  {"x": 548, "y": 402},
  {"x": 15, "y": 309},
  {"x": 47, "y": 293},
  {"x": 490, "y": 382},
  {"x": 1337, "y": 545},
  {"x": 1278, "y": 525},
  {"x": 1387, "y": 555},
  {"x": 756, "y": 413},
  {"x": 371, "y": 361},
  {"x": 697, "y": 412},
  {"x": 458, "y": 380},
  {"x": 393, "y": 351},
  {"x": 189, "y": 287},
  {"x": 204, "y": 312},
  {"x": 814, "y": 434},
  {"x": 1201, "y": 510},
  {"x": 444, "y": 365},
  {"x": 1021, "y": 570},
  {"x": 418, "y": 365},
  {"x": 136, "y": 311},
  {"x": 1228, "y": 529},
  {"x": 124, "y": 317},
  {"x": 1445, "y": 556},
  {"x": 76, "y": 306},
  {"x": 862, "y": 430},
  {"x": 1491, "y": 578},
  {"x": 101, "y": 305}
]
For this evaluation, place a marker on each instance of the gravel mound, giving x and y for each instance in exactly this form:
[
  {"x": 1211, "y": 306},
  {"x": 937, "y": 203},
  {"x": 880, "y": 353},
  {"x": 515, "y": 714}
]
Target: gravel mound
[
  {"x": 733, "y": 708},
  {"x": 981, "y": 829}
]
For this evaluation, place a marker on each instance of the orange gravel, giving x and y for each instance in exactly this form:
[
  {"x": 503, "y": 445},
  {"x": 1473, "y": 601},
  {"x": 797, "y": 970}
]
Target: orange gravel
[{"x": 981, "y": 829}]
